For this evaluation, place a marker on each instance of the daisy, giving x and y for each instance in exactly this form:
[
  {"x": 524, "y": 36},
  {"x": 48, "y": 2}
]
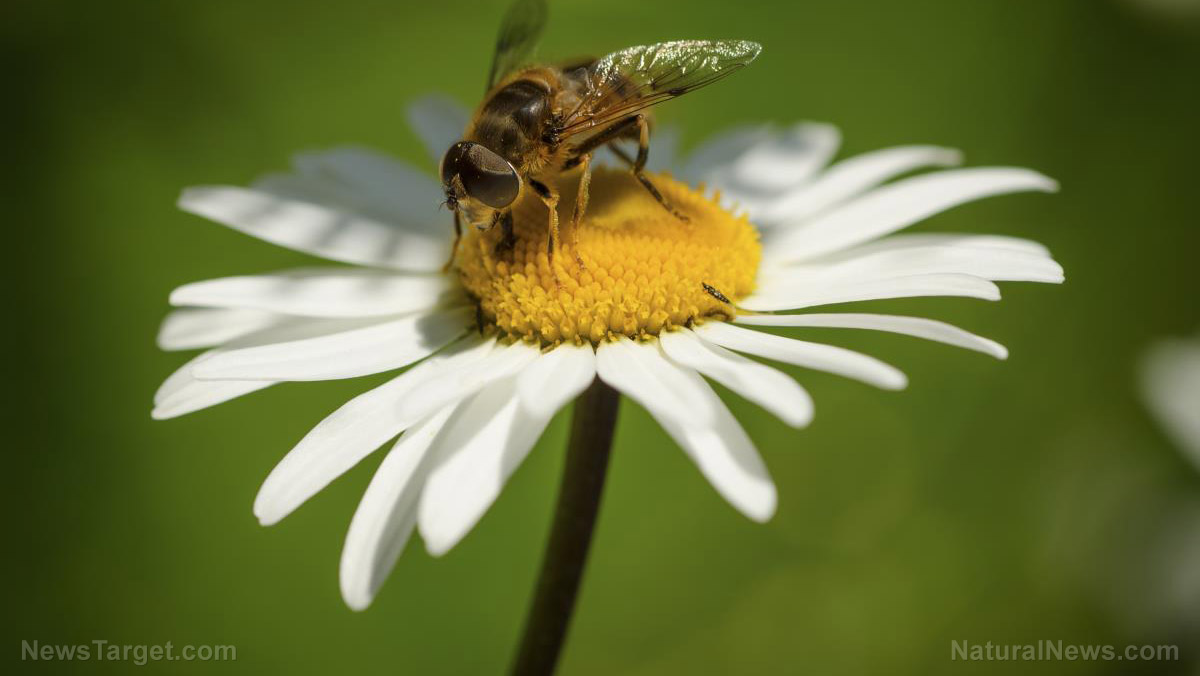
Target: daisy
[
  {"x": 1169, "y": 380},
  {"x": 493, "y": 349},
  {"x": 1170, "y": 386}
]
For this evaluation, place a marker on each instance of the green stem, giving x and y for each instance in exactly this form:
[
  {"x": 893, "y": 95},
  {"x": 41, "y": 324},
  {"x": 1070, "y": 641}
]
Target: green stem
[{"x": 592, "y": 428}]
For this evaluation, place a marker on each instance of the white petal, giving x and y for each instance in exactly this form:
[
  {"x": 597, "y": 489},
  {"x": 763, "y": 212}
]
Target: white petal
[
  {"x": 909, "y": 326},
  {"x": 1170, "y": 380},
  {"x": 456, "y": 384},
  {"x": 555, "y": 378},
  {"x": 348, "y": 354},
  {"x": 759, "y": 159},
  {"x": 791, "y": 159},
  {"x": 850, "y": 177},
  {"x": 386, "y": 514},
  {"x": 753, "y": 179},
  {"x": 912, "y": 240},
  {"x": 376, "y": 183},
  {"x": 710, "y": 436},
  {"x": 712, "y": 157},
  {"x": 410, "y": 208},
  {"x": 640, "y": 363},
  {"x": 351, "y": 433},
  {"x": 181, "y": 393},
  {"x": 771, "y": 389},
  {"x": 320, "y": 292},
  {"x": 439, "y": 121},
  {"x": 179, "y": 379},
  {"x": 989, "y": 263},
  {"x": 898, "y": 205},
  {"x": 196, "y": 327},
  {"x": 828, "y": 358},
  {"x": 184, "y": 392},
  {"x": 485, "y": 441},
  {"x": 780, "y": 297},
  {"x": 329, "y": 232}
]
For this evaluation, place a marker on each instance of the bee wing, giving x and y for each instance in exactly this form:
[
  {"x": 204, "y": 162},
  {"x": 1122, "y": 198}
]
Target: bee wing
[
  {"x": 518, "y": 36},
  {"x": 627, "y": 81}
]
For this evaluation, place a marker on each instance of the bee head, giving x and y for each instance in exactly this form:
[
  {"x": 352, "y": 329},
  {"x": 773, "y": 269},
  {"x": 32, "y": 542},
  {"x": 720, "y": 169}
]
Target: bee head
[{"x": 470, "y": 170}]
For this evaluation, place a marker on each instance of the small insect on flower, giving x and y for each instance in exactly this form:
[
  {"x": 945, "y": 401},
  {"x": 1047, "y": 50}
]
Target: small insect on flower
[{"x": 537, "y": 121}]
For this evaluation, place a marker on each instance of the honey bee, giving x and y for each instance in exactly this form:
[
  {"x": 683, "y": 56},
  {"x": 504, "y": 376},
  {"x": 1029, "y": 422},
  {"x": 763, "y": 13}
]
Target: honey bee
[{"x": 538, "y": 121}]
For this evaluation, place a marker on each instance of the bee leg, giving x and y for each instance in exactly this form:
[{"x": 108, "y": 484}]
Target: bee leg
[
  {"x": 620, "y": 153},
  {"x": 620, "y": 129},
  {"x": 581, "y": 204},
  {"x": 457, "y": 237},
  {"x": 550, "y": 199},
  {"x": 639, "y": 166},
  {"x": 507, "y": 239}
]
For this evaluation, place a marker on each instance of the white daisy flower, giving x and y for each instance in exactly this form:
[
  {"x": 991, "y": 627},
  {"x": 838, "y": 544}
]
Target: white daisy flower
[
  {"x": 501, "y": 343},
  {"x": 1170, "y": 384},
  {"x": 1164, "y": 591}
]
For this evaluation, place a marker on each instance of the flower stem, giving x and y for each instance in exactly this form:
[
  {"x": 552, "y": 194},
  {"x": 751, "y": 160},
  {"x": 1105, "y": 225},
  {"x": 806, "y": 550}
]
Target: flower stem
[{"x": 592, "y": 427}]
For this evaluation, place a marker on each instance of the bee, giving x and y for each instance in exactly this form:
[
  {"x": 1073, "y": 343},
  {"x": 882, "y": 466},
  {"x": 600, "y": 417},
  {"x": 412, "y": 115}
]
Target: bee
[{"x": 538, "y": 121}]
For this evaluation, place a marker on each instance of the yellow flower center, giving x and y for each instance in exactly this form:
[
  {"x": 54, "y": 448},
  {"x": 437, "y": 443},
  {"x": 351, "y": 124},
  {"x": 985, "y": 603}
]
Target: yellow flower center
[{"x": 643, "y": 269}]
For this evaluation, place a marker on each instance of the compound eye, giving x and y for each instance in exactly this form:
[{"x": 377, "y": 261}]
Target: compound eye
[
  {"x": 451, "y": 161},
  {"x": 486, "y": 176}
]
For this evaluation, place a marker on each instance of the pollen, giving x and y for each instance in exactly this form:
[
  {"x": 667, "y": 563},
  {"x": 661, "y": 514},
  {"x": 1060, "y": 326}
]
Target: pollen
[{"x": 633, "y": 268}]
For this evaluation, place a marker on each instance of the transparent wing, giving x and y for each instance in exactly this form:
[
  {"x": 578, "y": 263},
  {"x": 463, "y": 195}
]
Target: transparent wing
[
  {"x": 518, "y": 36},
  {"x": 639, "y": 77}
]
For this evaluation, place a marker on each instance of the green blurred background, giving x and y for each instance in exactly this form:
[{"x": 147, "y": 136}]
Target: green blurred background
[{"x": 1003, "y": 501}]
